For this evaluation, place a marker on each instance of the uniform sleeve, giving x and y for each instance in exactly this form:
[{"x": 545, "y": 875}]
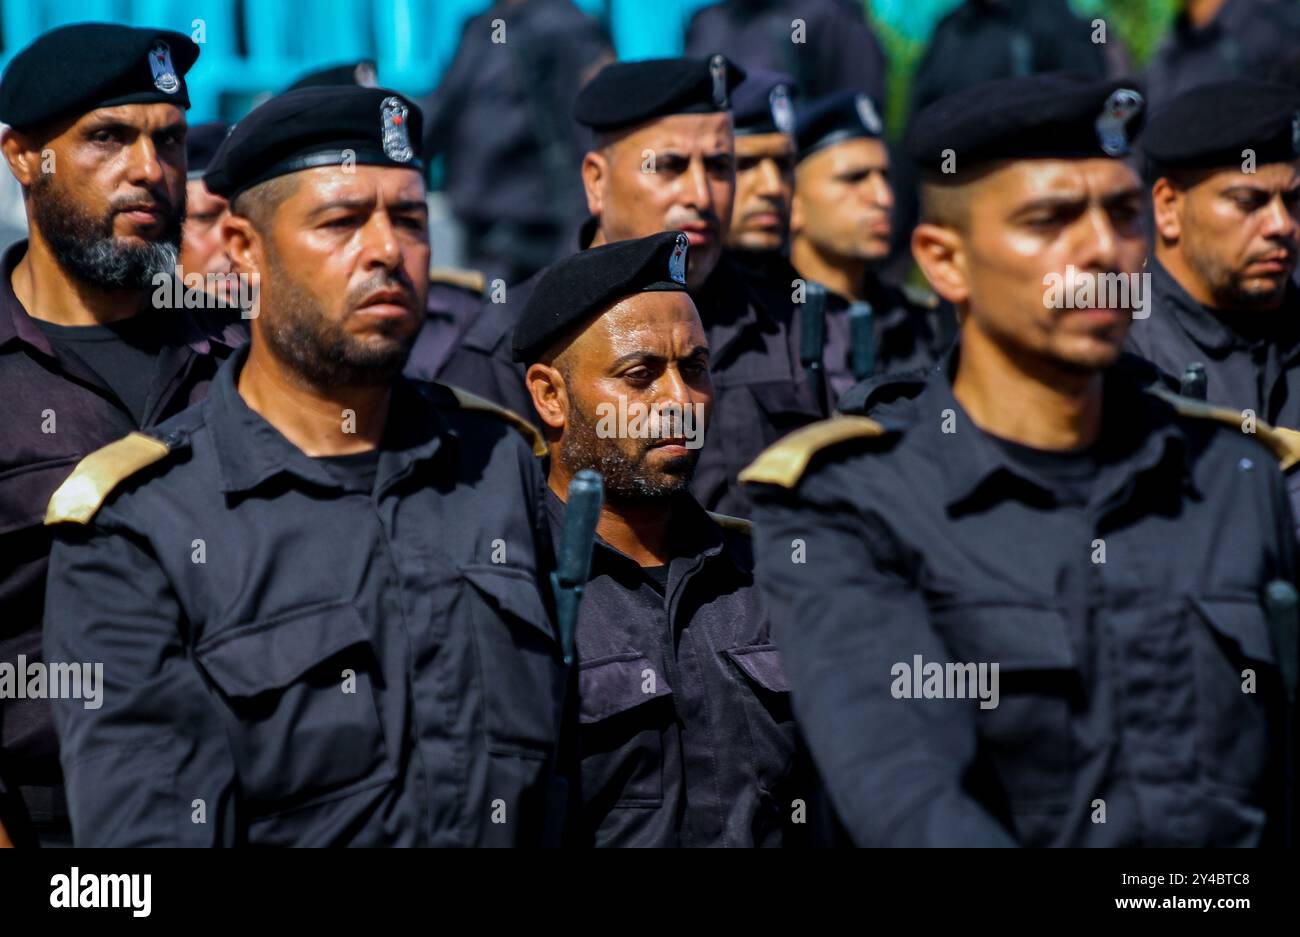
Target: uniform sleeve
[
  {"x": 844, "y": 613},
  {"x": 147, "y": 763}
]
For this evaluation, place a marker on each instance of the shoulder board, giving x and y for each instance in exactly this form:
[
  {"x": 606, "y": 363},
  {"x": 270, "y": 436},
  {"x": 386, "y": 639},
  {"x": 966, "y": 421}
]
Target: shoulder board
[
  {"x": 84, "y": 491},
  {"x": 472, "y": 280},
  {"x": 784, "y": 462},
  {"x": 468, "y": 401},
  {"x": 1284, "y": 443},
  {"x": 739, "y": 524},
  {"x": 920, "y": 297}
]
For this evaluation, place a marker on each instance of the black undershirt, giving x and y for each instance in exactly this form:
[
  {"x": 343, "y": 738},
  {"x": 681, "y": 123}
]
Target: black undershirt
[
  {"x": 123, "y": 354},
  {"x": 356, "y": 471},
  {"x": 657, "y": 576},
  {"x": 1069, "y": 472}
]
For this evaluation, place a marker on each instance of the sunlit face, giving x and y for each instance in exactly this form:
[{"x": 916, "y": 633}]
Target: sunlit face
[
  {"x": 647, "y": 351},
  {"x": 676, "y": 173},
  {"x": 108, "y": 192},
  {"x": 760, "y": 220},
  {"x": 343, "y": 272},
  {"x": 1237, "y": 234},
  {"x": 843, "y": 201},
  {"x": 1031, "y": 218}
]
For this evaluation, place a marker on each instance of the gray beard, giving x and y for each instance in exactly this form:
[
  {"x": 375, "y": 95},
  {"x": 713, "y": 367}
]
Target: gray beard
[{"x": 86, "y": 250}]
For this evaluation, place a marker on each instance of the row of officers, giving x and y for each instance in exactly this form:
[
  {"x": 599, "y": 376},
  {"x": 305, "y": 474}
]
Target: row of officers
[{"x": 1015, "y": 592}]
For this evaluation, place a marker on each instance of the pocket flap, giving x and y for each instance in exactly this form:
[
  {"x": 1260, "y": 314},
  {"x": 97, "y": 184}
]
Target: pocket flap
[
  {"x": 26, "y": 490},
  {"x": 271, "y": 654},
  {"x": 614, "y": 685},
  {"x": 1241, "y": 621},
  {"x": 762, "y": 664},
  {"x": 512, "y": 591},
  {"x": 1015, "y": 637}
]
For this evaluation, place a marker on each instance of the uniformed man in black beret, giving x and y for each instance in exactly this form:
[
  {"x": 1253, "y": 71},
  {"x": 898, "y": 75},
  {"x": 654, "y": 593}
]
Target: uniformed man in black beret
[
  {"x": 1007, "y": 602},
  {"x": 315, "y": 596},
  {"x": 841, "y": 230},
  {"x": 454, "y": 295},
  {"x": 202, "y": 250},
  {"x": 686, "y": 736},
  {"x": 664, "y": 159},
  {"x": 1225, "y": 164},
  {"x": 93, "y": 343}
]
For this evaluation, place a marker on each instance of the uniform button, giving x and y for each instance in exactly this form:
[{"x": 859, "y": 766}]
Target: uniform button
[{"x": 172, "y": 440}]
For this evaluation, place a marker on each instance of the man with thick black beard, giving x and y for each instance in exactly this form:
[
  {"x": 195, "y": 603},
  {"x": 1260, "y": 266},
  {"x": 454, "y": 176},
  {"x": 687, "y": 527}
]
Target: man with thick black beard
[
  {"x": 685, "y": 731},
  {"x": 96, "y": 137}
]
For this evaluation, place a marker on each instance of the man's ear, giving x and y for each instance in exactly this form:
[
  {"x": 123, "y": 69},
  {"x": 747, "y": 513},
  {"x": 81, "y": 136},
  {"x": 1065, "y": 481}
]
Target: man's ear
[
  {"x": 23, "y": 154},
  {"x": 1168, "y": 202},
  {"x": 243, "y": 243},
  {"x": 941, "y": 254},
  {"x": 550, "y": 396},
  {"x": 796, "y": 212},
  {"x": 595, "y": 170}
]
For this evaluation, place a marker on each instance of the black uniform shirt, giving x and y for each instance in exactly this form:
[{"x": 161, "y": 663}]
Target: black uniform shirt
[
  {"x": 1252, "y": 359},
  {"x": 317, "y": 664},
  {"x": 686, "y": 735},
  {"x": 1121, "y": 630},
  {"x": 58, "y": 409}
]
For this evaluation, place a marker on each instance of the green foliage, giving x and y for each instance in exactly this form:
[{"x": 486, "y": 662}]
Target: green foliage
[{"x": 904, "y": 28}]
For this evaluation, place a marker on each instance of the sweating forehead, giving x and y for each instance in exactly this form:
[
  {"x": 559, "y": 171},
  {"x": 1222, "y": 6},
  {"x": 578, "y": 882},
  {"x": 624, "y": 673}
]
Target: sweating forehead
[
  {"x": 662, "y": 323},
  {"x": 1271, "y": 176},
  {"x": 323, "y": 184},
  {"x": 1012, "y": 183},
  {"x": 687, "y": 132}
]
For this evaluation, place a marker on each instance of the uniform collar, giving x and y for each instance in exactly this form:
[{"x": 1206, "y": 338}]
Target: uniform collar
[
  {"x": 1138, "y": 436},
  {"x": 1206, "y": 326},
  {"x": 250, "y": 451}
]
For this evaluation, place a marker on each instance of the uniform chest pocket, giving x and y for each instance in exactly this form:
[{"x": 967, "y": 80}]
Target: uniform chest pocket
[
  {"x": 300, "y": 689},
  {"x": 1016, "y": 665},
  {"x": 624, "y": 708},
  {"x": 1236, "y": 685},
  {"x": 519, "y": 661},
  {"x": 766, "y": 701},
  {"x": 25, "y": 492}
]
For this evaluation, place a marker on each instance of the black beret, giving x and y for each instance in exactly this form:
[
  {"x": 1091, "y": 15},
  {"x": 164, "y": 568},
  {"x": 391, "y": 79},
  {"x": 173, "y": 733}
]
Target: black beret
[
  {"x": 1055, "y": 115},
  {"x": 764, "y": 103},
  {"x": 358, "y": 73},
  {"x": 627, "y": 93},
  {"x": 75, "y": 69},
  {"x": 314, "y": 127},
  {"x": 201, "y": 145},
  {"x": 835, "y": 118},
  {"x": 1211, "y": 124},
  {"x": 575, "y": 289}
]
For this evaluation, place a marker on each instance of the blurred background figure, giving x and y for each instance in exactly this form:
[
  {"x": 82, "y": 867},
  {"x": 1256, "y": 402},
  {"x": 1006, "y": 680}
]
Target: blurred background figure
[
  {"x": 13, "y": 217},
  {"x": 836, "y": 51},
  {"x": 982, "y": 40},
  {"x": 840, "y": 228},
  {"x": 1212, "y": 40},
  {"x": 500, "y": 119},
  {"x": 202, "y": 250}
]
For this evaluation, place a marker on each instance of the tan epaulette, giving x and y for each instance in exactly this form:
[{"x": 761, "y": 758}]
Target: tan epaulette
[
  {"x": 784, "y": 462},
  {"x": 470, "y": 401},
  {"x": 84, "y": 492},
  {"x": 472, "y": 280},
  {"x": 739, "y": 524},
  {"x": 1283, "y": 442}
]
